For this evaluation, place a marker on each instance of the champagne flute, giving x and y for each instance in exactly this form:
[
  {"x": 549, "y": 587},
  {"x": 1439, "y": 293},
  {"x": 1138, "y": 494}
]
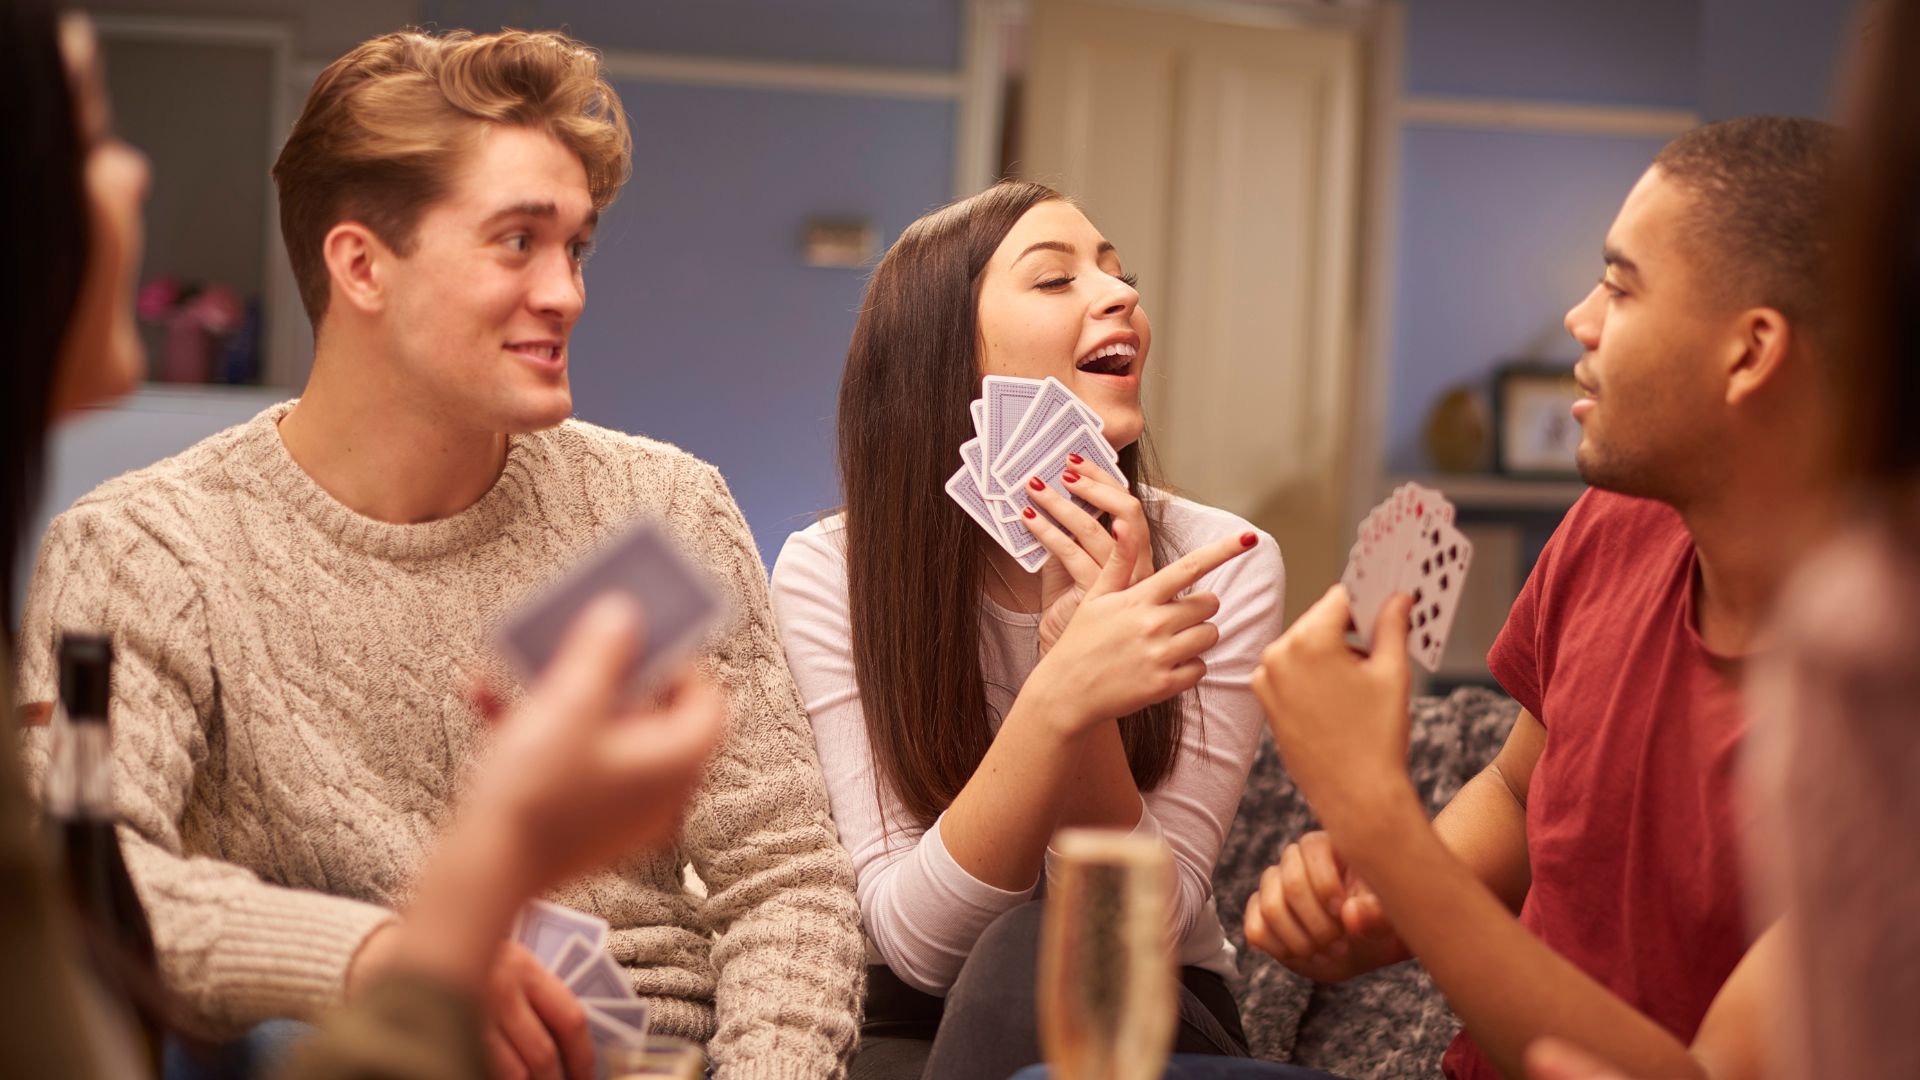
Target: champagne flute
[{"x": 1107, "y": 984}]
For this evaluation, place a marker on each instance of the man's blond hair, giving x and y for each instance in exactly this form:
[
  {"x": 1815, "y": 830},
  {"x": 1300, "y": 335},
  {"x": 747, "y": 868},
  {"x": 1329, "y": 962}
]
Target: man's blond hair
[{"x": 386, "y": 126}]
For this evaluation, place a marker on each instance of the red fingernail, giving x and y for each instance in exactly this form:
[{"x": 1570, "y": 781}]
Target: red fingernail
[
  {"x": 1076, "y": 459},
  {"x": 1069, "y": 476},
  {"x": 1248, "y": 539},
  {"x": 1037, "y": 484},
  {"x": 1028, "y": 513}
]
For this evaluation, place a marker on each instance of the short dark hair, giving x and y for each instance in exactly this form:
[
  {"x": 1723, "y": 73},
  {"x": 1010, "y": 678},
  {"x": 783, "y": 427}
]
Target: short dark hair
[{"x": 1764, "y": 186}]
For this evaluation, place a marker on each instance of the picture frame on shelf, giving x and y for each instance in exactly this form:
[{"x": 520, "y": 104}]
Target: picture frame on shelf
[{"x": 1534, "y": 432}]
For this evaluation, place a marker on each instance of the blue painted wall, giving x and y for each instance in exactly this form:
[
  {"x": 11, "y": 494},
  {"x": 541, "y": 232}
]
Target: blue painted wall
[
  {"x": 703, "y": 326},
  {"x": 1500, "y": 235},
  {"x": 1772, "y": 56},
  {"x": 882, "y": 33},
  {"x": 1625, "y": 52},
  {"x": 1500, "y": 232}
]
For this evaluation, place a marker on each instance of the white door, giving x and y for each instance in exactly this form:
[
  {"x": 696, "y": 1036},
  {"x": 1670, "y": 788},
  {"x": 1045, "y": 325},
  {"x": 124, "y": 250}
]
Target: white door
[{"x": 1222, "y": 158}]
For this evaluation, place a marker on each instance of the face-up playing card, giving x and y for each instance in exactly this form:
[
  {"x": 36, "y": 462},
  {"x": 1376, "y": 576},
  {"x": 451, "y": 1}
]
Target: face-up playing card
[
  {"x": 1408, "y": 544},
  {"x": 545, "y": 929},
  {"x": 676, "y": 604},
  {"x": 1437, "y": 565},
  {"x": 599, "y": 977},
  {"x": 1373, "y": 568}
]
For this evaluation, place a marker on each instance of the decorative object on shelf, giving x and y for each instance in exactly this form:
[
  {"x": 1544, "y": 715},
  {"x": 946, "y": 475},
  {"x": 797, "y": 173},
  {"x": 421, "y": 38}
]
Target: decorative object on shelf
[
  {"x": 199, "y": 319},
  {"x": 1534, "y": 431},
  {"x": 1458, "y": 431},
  {"x": 839, "y": 241}
]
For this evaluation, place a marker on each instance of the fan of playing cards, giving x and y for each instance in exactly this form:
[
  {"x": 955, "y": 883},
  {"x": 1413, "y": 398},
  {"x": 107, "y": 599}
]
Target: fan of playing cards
[
  {"x": 572, "y": 945},
  {"x": 1024, "y": 428},
  {"x": 1408, "y": 544}
]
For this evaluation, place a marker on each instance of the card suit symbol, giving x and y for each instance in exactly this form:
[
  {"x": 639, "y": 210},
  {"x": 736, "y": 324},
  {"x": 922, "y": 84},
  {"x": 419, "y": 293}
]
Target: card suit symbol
[
  {"x": 1453, "y": 553},
  {"x": 1436, "y": 610},
  {"x": 1443, "y": 582},
  {"x": 1416, "y": 598},
  {"x": 1435, "y": 539},
  {"x": 1422, "y": 620},
  {"x": 1426, "y": 641},
  {"x": 1426, "y": 566}
]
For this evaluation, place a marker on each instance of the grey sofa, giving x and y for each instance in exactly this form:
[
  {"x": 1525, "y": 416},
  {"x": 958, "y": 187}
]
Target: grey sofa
[{"x": 1389, "y": 1024}]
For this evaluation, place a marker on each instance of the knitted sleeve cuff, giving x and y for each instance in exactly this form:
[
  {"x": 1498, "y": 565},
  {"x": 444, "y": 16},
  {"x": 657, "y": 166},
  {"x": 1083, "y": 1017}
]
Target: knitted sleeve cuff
[{"x": 285, "y": 952}]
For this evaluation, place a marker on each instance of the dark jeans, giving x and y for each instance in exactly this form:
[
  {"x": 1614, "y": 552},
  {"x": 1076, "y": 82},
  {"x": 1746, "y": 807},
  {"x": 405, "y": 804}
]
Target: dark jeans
[
  {"x": 986, "y": 1027},
  {"x": 258, "y": 1053}
]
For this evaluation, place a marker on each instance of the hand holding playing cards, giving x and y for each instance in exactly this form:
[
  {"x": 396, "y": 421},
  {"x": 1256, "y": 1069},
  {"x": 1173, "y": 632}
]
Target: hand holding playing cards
[
  {"x": 1080, "y": 545},
  {"x": 1313, "y": 915},
  {"x": 580, "y": 780},
  {"x": 574, "y": 781},
  {"x": 1339, "y": 719},
  {"x": 1130, "y": 646}
]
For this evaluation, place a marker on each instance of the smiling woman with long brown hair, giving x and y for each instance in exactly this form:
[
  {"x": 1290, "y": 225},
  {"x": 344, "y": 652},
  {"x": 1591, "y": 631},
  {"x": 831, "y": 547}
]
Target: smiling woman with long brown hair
[{"x": 965, "y": 709}]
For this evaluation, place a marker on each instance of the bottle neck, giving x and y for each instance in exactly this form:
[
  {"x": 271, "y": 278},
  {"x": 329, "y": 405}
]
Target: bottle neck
[{"x": 80, "y": 781}]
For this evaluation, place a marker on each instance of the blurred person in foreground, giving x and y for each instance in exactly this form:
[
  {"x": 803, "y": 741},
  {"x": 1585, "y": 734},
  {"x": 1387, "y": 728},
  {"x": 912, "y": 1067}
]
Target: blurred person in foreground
[{"x": 570, "y": 783}]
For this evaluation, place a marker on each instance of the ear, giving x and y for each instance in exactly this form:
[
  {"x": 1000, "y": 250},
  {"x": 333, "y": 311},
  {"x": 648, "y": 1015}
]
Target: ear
[
  {"x": 1759, "y": 353},
  {"x": 357, "y": 262}
]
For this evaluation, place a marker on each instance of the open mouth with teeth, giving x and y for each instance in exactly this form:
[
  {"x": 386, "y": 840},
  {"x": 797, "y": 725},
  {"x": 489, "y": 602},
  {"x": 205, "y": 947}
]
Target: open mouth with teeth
[{"x": 1113, "y": 359}]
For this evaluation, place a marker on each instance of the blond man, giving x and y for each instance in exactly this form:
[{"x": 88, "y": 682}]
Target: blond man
[{"x": 301, "y": 604}]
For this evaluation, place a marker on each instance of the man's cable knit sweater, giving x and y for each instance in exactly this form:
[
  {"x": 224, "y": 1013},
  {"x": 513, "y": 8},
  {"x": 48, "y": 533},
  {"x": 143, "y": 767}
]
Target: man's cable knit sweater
[{"x": 291, "y": 731}]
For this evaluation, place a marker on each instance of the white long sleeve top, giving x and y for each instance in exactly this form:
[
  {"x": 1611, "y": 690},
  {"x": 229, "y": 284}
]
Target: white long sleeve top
[{"x": 923, "y": 911}]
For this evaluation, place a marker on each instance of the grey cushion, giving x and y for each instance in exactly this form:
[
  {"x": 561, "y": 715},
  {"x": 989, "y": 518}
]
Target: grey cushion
[{"x": 1391, "y": 1023}]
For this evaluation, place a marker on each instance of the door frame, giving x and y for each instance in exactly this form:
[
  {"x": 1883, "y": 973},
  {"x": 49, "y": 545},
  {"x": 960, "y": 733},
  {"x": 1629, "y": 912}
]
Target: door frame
[{"x": 1382, "y": 27}]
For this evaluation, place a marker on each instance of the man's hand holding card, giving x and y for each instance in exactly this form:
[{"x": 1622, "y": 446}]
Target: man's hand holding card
[
  {"x": 1339, "y": 718},
  {"x": 572, "y": 945},
  {"x": 1335, "y": 685}
]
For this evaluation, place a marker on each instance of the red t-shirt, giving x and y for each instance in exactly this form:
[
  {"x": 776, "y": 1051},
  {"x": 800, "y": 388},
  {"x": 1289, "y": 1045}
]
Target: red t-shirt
[{"x": 1632, "y": 827}]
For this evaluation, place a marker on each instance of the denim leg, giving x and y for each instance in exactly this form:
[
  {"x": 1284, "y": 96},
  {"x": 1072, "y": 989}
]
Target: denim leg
[{"x": 256, "y": 1054}]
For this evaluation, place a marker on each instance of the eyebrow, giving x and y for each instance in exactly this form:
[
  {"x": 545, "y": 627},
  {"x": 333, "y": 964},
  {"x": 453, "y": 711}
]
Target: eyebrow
[
  {"x": 545, "y": 210},
  {"x": 1063, "y": 247},
  {"x": 1613, "y": 257}
]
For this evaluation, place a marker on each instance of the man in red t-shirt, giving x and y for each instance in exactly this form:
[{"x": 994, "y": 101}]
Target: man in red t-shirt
[{"x": 1609, "y": 820}]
